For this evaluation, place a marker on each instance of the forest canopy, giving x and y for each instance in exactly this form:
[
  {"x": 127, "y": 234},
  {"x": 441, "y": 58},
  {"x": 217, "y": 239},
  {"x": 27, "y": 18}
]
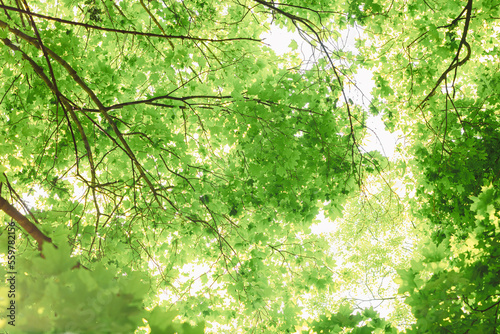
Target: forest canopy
[{"x": 163, "y": 168}]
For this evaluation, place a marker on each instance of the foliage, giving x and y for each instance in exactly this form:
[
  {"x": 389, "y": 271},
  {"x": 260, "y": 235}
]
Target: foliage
[
  {"x": 98, "y": 298},
  {"x": 437, "y": 81},
  {"x": 367, "y": 321},
  {"x": 165, "y": 136},
  {"x": 176, "y": 165},
  {"x": 374, "y": 239}
]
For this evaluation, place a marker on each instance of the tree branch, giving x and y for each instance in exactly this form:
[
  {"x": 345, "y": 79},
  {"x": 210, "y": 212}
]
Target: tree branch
[
  {"x": 127, "y": 32},
  {"x": 102, "y": 109},
  {"x": 456, "y": 62},
  {"x": 28, "y": 226},
  {"x": 63, "y": 100}
]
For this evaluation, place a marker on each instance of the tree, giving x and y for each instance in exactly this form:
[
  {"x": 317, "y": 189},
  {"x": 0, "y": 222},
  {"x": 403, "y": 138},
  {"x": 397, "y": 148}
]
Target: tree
[
  {"x": 436, "y": 68},
  {"x": 176, "y": 164},
  {"x": 155, "y": 136}
]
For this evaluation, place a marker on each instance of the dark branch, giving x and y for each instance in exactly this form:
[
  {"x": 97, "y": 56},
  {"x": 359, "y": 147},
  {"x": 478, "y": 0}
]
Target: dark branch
[{"x": 127, "y": 32}]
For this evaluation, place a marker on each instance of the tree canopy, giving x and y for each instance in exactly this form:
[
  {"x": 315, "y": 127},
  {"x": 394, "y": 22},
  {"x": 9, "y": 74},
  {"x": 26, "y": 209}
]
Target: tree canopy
[{"x": 162, "y": 167}]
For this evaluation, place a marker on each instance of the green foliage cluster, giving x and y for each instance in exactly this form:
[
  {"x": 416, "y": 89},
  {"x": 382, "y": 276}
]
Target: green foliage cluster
[
  {"x": 177, "y": 164},
  {"x": 53, "y": 294}
]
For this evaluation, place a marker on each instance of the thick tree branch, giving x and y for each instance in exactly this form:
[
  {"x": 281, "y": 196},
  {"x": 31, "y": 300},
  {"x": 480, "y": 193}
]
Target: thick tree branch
[
  {"x": 28, "y": 226},
  {"x": 456, "y": 62}
]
